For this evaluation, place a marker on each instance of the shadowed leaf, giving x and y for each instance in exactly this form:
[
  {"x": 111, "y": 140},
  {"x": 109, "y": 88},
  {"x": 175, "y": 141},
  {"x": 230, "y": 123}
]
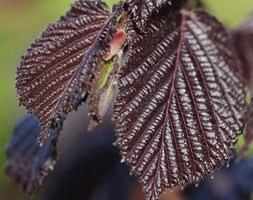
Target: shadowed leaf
[
  {"x": 55, "y": 74},
  {"x": 28, "y": 163},
  {"x": 180, "y": 102}
]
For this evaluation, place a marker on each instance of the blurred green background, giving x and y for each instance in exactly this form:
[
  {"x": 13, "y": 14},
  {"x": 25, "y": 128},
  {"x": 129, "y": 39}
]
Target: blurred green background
[{"x": 21, "y": 21}]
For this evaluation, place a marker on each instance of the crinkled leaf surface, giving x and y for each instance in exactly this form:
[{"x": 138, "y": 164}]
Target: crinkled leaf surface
[
  {"x": 243, "y": 40},
  {"x": 179, "y": 107},
  {"x": 55, "y": 73},
  {"x": 142, "y": 9},
  {"x": 28, "y": 163}
]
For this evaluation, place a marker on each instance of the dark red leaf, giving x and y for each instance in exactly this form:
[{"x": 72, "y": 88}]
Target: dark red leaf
[
  {"x": 248, "y": 135},
  {"x": 55, "y": 74},
  {"x": 141, "y": 10},
  {"x": 180, "y": 103},
  {"x": 28, "y": 164},
  {"x": 243, "y": 40}
]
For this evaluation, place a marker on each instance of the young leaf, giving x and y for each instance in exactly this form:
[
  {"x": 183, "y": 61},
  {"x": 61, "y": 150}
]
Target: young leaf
[
  {"x": 102, "y": 90},
  {"x": 104, "y": 81},
  {"x": 243, "y": 40},
  {"x": 28, "y": 163},
  {"x": 141, "y": 10},
  {"x": 55, "y": 73},
  {"x": 116, "y": 44},
  {"x": 180, "y": 102}
]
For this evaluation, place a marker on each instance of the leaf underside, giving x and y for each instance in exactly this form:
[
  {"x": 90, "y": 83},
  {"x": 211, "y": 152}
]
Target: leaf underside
[
  {"x": 28, "y": 163},
  {"x": 55, "y": 74},
  {"x": 141, "y": 10},
  {"x": 180, "y": 102}
]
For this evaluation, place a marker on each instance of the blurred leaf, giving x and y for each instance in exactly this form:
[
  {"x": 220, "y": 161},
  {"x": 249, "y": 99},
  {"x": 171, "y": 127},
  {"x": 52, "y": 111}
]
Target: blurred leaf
[
  {"x": 243, "y": 40},
  {"x": 28, "y": 164},
  {"x": 234, "y": 183}
]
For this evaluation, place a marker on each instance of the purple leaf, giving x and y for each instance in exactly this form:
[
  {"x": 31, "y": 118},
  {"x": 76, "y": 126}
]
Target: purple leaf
[
  {"x": 248, "y": 135},
  {"x": 243, "y": 40},
  {"x": 141, "y": 10},
  {"x": 55, "y": 74},
  {"x": 180, "y": 102}
]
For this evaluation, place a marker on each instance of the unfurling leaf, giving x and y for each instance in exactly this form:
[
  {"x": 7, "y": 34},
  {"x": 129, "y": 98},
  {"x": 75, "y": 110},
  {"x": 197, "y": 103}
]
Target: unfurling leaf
[
  {"x": 243, "y": 40},
  {"x": 180, "y": 102},
  {"x": 28, "y": 163},
  {"x": 104, "y": 81},
  {"x": 102, "y": 92},
  {"x": 55, "y": 74},
  {"x": 141, "y": 10},
  {"x": 116, "y": 44}
]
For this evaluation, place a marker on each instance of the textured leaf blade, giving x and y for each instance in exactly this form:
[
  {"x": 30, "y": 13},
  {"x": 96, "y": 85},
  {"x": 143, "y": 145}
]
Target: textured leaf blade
[
  {"x": 180, "y": 103},
  {"x": 55, "y": 74},
  {"x": 28, "y": 164},
  {"x": 142, "y": 10}
]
